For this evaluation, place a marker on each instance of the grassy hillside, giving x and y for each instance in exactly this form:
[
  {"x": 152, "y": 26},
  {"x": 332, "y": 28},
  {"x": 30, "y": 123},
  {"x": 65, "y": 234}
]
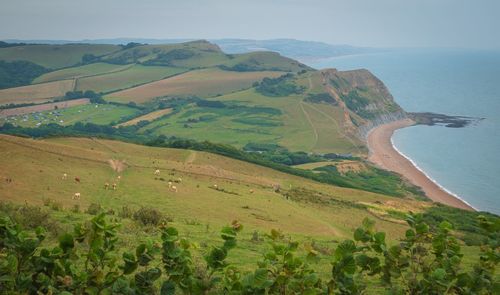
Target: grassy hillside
[
  {"x": 316, "y": 215},
  {"x": 36, "y": 168},
  {"x": 125, "y": 78},
  {"x": 81, "y": 71},
  {"x": 55, "y": 56}
]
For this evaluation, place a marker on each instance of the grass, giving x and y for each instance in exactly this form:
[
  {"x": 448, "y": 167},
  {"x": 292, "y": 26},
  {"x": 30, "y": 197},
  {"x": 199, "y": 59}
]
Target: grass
[
  {"x": 81, "y": 71},
  {"x": 204, "y": 83},
  {"x": 147, "y": 117},
  {"x": 38, "y": 93},
  {"x": 55, "y": 56},
  {"x": 36, "y": 168},
  {"x": 136, "y": 75},
  {"x": 103, "y": 114}
]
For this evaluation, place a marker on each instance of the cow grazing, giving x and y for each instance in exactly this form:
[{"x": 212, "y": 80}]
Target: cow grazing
[
  {"x": 64, "y": 176},
  {"x": 251, "y": 191},
  {"x": 173, "y": 188},
  {"x": 119, "y": 177},
  {"x": 76, "y": 196},
  {"x": 77, "y": 179},
  {"x": 169, "y": 184},
  {"x": 106, "y": 186},
  {"x": 114, "y": 186},
  {"x": 216, "y": 186},
  {"x": 157, "y": 172}
]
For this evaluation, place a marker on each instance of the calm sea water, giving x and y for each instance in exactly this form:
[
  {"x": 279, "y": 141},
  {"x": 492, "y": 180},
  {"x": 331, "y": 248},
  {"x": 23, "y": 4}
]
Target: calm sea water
[{"x": 465, "y": 161}]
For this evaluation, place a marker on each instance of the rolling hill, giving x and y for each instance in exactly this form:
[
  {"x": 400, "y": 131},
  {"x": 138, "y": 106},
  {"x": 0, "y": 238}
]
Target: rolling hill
[{"x": 297, "y": 107}]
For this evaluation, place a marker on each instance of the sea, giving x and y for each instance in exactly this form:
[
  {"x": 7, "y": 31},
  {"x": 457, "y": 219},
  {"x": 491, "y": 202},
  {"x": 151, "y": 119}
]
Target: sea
[{"x": 463, "y": 161}]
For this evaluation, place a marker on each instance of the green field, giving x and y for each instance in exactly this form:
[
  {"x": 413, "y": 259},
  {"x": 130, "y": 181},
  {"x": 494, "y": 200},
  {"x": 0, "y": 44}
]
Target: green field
[
  {"x": 81, "y": 71},
  {"x": 102, "y": 114},
  {"x": 55, "y": 56},
  {"x": 136, "y": 75}
]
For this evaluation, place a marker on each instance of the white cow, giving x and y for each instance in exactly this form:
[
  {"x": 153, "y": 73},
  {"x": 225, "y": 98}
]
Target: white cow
[
  {"x": 157, "y": 172},
  {"x": 76, "y": 196},
  {"x": 173, "y": 188},
  {"x": 64, "y": 176}
]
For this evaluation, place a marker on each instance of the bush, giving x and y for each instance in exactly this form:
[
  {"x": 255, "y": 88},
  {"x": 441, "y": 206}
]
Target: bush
[
  {"x": 148, "y": 216},
  {"x": 281, "y": 86},
  {"x": 94, "y": 209},
  {"x": 87, "y": 261},
  {"x": 125, "y": 212},
  {"x": 30, "y": 217}
]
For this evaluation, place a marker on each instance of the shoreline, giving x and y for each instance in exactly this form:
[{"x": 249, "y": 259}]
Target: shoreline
[{"x": 384, "y": 154}]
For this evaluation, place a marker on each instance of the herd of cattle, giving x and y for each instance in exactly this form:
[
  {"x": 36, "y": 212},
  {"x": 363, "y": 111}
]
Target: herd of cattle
[{"x": 113, "y": 186}]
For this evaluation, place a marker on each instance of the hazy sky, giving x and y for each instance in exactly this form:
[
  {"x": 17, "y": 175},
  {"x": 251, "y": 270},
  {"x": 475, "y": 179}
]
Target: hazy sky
[{"x": 380, "y": 23}]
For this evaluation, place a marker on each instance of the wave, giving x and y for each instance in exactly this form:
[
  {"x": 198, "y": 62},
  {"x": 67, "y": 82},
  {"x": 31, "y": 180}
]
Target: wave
[{"x": 429, "y": 177}]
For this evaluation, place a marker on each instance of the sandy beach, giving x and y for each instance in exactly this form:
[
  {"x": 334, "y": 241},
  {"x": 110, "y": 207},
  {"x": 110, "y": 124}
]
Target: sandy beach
[{"x": 383, "y": 154}]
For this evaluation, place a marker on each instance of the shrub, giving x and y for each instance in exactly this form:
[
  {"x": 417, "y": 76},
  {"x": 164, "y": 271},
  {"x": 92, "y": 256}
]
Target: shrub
[
  {"x": 125, "y": 212},
  {"x": 94, "y": 209},
  {"x": 148, "y": 216}
]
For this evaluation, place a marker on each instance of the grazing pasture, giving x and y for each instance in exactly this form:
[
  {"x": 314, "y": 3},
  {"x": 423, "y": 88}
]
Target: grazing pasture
[
  {"x": 36, "y": 168},
  {"x": 205, "y": 82},
  {"x": 129, "y": 77},
  {"x": 38, "y": 93},
  {"x": 55, "y": 56}
]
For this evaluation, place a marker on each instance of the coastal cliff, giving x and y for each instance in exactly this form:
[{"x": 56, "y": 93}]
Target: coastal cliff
[{"x": 364, "y": 98}]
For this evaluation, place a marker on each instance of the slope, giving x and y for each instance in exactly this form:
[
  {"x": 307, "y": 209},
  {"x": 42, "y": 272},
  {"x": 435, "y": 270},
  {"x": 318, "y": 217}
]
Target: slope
[{"x": 244, "y": 190}]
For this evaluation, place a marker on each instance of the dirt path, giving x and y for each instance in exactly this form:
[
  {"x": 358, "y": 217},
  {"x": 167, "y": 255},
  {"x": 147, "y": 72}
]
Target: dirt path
[
  {"x": 316, "y": 136},
  {"x": 191, "y": 158},
  {"x": 117, "y": 165}
]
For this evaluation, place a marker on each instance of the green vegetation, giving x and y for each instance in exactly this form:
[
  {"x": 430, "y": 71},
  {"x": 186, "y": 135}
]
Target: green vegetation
[
  {"x": 282, "y": 86},
  {"x": 55, "y": 56},
  {"x": 320, "y": 97},
  {"x": 88, "y": 260},
  {"x": 357, "y": 103},
  {"x": 18, "y": 73},
  {"x": 166, "y": 59}
]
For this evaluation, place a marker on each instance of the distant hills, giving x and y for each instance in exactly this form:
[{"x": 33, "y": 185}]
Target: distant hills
[{"x": 297, "y": 49}]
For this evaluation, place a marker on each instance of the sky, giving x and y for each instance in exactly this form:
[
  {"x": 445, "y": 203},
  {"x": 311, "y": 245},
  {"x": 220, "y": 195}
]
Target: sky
[{"x": 374, "y": 23}]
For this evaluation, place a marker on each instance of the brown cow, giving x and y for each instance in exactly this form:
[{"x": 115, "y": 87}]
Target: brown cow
[{"x": 77, "y": 179}]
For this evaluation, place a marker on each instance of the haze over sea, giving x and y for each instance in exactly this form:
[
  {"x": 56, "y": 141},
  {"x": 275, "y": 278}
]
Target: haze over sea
[{"x": 465, "y": 161}]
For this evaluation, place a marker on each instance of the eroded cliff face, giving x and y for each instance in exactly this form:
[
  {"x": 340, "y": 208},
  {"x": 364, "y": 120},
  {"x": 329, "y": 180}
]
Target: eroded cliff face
[{"x": 365, "y": 100}]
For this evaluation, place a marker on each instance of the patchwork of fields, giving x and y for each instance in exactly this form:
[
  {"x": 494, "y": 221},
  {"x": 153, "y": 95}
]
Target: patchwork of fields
[{"x": 206, "y": 83}]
